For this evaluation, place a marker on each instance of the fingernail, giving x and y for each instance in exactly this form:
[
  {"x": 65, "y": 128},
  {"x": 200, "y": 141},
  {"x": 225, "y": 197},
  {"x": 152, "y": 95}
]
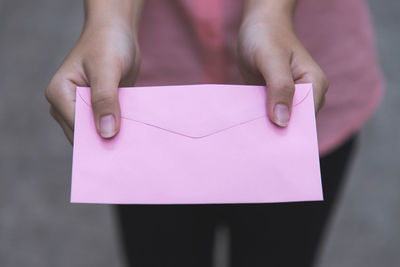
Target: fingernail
[
  {"x": 107, "y": 126},
  {"x": 281, "y": 115}
]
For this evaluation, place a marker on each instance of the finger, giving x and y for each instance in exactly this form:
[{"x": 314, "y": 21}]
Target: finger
[
  {"x": 275, "y": 68},
  {"x": 64, "y": 125},
  {"x": 60, "y": 93},
  {"x": 104, "y": 79},
  {"x": 320, "y": 86},
  {"x": 310, "y": 72}
]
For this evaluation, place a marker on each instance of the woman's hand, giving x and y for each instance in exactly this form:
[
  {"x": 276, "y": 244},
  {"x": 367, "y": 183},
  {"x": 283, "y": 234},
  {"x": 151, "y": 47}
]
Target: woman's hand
[
  {"x": 105, "y": 57},
  {"x": 270, "y": 53}
]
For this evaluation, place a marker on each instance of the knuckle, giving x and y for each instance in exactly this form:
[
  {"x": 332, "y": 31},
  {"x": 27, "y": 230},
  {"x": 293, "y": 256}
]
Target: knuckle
[
  {"x": 283, "y": 88},
  {"x": 102, "y": 100},
  {"x": 324, "y": 82},
  {"x": 50, "y": 91}
]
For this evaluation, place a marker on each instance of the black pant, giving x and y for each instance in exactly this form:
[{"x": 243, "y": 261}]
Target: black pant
[{"x": 281, "y": 234}]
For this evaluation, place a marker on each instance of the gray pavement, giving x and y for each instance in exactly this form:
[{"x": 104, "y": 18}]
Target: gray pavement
[{"x": 38, "y": 227}]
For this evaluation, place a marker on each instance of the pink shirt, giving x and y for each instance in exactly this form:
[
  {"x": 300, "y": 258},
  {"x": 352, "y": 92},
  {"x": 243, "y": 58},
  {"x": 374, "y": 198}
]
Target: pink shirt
[{"x": 190, "y": 42}]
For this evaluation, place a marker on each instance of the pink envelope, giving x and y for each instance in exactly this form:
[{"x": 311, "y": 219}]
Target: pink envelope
[{"x": 197, "y": 144}]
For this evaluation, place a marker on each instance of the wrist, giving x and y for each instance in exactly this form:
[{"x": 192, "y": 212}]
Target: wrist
[
  {"x": 278, "y": 12},
  {"x": 105, "y": 13}
]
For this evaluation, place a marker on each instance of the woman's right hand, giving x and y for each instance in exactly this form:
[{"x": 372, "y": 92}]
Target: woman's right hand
[{"x": 105, "y": 57}]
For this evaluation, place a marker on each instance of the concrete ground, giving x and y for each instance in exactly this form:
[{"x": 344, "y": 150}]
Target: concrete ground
[{"x": 38, "y": 227}]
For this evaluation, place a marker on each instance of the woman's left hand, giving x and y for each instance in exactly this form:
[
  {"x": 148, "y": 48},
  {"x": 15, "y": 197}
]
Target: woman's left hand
[{"x": 270, "y": 53}]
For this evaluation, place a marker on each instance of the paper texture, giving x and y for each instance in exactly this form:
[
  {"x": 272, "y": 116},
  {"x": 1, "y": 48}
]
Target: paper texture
[{"x": 197, "y": 144}]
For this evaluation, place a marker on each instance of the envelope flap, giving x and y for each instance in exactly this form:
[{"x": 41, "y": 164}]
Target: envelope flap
[{"x": 195, "y": 111}]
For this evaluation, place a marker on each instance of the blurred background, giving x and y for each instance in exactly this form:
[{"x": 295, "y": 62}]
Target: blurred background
[{"x": 38, "y": 225}]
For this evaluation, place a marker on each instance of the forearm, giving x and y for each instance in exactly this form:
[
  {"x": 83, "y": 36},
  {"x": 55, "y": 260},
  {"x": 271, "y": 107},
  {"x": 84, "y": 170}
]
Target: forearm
[{"x": 108, "y": 12}]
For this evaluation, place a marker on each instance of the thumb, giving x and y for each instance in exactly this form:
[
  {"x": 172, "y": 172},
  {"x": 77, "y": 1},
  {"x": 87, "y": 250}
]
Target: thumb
[
  {"x": 104, "y": 80},
  {"x": 280, "y": 86}
]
